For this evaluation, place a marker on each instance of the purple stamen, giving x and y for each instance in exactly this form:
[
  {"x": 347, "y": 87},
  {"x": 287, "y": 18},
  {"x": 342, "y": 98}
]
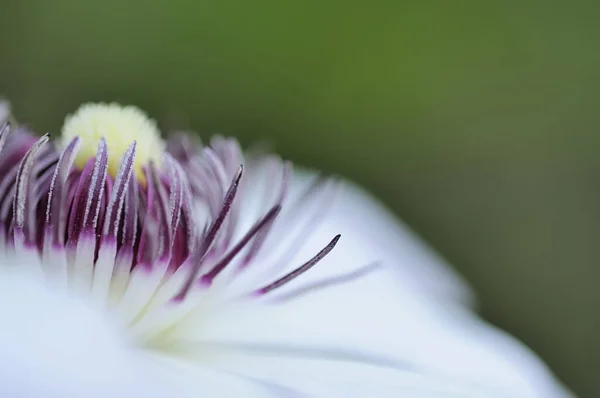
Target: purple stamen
[
  {"x": 300, "y": 270},
  {"x": 130, "y": 222},
  {"x": 7, "y": 188},
  {"x": 80, "y": 197},
  {"x": 148, "y": 242},
  {"x": 227, "y": 203},
  {"x": 119, "y": 191},
  {"x": 4, "y": 132},
  {"x": 176, "y": 196},
  {"x": 23, "y": 210},
  {"x": 266, "y": 220},
  {"x": 190, "y": 229},
  {"x": 98, "y": 180},
  {"x": 163, "y": 223},
  {"x": 197, "y": 258}
]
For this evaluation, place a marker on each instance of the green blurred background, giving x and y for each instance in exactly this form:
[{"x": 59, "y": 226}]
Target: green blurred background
[{"x": 476, "y": 121}]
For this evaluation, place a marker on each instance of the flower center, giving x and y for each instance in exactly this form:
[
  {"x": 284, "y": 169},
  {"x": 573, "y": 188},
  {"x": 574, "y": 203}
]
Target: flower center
[{"x": 119, "y": 126}]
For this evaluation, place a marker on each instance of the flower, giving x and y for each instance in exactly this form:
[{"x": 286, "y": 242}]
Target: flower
[{"x": 131, "y": 267}]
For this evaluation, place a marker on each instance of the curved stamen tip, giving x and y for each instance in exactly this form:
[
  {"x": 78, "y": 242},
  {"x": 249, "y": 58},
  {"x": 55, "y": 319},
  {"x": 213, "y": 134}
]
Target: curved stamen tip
[
  {"x": 22, "y": 212},
  {"x": 238, "y": 175},
  {"x": 300, "y": 270}
]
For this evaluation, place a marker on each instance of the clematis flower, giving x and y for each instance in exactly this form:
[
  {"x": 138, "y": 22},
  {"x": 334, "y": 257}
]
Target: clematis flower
[{"x": 130, "y": 266}]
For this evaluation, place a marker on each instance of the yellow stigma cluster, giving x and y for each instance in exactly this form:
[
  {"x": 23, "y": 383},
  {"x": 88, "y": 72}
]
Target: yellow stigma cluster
[{"x": 120, "y": 126}]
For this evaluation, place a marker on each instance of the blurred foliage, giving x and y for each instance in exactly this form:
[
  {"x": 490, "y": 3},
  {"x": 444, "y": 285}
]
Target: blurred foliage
[{"x": 476, "y": 121}]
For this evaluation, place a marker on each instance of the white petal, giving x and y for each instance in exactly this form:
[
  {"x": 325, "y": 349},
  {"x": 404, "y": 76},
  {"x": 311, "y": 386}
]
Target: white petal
[
  {"x": 396, "y": 317},
  {"x": 52, "y": 345}
]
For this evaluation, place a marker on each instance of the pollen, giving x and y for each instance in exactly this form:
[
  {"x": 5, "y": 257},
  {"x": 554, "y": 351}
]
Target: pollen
[{"x": 119, "y": 126}]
